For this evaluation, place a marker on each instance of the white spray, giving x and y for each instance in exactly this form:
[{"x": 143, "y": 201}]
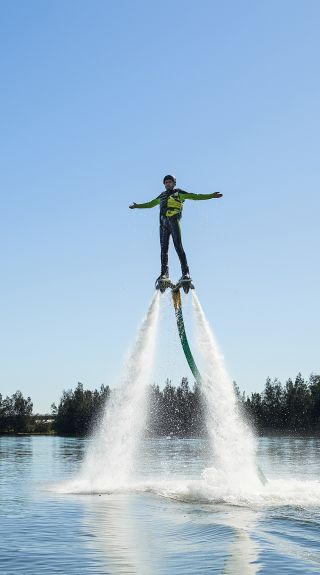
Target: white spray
[
  {"x": 232, "y": 440},
  {"x": 110, "y": 458}
]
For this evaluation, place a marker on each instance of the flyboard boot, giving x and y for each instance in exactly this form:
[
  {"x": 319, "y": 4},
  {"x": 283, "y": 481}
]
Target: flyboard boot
[
  {"x": 163, "y": 282},
  {"x": 185, "y": 282}
]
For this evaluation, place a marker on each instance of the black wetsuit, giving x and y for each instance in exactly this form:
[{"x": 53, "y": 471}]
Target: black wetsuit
[
  {"x": 171, "y": 227},
  {"x": 171, "y": 204}
]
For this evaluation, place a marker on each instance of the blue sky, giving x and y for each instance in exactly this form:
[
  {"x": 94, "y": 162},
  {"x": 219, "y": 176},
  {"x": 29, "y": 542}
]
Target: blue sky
[{"x": 98, "y": 101}]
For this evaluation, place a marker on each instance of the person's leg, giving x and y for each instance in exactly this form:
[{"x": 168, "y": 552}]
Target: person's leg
[
  {"x": 164, "y": 243},
  {"x": 177, "y": 241}
]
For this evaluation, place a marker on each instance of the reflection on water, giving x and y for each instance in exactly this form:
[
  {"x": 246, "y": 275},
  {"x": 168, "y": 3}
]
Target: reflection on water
[
  {"x": 122, "y": 527},
  {"x": 244, "y": 550},
  {"x": 145, "y": 535},
  {"x": 170, "y": 521}
]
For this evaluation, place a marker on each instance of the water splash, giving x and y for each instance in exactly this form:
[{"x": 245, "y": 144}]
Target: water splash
[
  {"x": 276, "y": 493},
  {"x": 109, "y": 461},
  {"x": 232, "y": 440}
]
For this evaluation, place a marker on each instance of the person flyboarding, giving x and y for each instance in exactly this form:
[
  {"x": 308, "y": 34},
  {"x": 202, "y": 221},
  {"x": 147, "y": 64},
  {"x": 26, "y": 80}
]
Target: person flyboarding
[{"x": 171, "y": 203}]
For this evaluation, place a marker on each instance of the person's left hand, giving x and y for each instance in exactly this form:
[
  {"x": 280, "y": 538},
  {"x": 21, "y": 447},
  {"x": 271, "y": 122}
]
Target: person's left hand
[{"x": 217, "y": 195}]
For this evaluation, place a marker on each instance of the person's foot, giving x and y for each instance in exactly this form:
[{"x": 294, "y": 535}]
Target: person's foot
[
  {"x": 185, "y": 278},
  {"x": 163, "y": 278},
  {"x": 163, "y": 282},
  {"x": 185, "y": 282}
]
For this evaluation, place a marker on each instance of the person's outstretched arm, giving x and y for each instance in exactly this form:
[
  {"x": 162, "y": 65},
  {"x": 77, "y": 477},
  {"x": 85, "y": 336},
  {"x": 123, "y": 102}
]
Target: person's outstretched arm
[
  {"x": 151, "y": 204},
  {"x": 190, "y": 196}
]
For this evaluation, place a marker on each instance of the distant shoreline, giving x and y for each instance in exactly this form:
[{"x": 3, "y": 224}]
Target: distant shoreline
[{"x": 268, "y": 433}]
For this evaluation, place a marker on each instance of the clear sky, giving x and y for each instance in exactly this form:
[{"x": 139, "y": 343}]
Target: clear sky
[{"x": 100, "y": 99}]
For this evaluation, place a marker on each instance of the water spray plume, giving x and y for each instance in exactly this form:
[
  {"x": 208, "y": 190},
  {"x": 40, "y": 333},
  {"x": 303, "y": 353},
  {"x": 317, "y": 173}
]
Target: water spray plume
[
  {"x": 110, "y": 458},
  {"x": 232, "y": 440}
]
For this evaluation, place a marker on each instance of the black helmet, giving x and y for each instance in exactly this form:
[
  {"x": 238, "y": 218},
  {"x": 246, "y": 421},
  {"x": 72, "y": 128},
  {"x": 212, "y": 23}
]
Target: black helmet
[{"x": 169, "y": 177}]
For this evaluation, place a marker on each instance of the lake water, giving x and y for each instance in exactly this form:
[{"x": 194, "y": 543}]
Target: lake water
[{"x": 171, "y": 519}]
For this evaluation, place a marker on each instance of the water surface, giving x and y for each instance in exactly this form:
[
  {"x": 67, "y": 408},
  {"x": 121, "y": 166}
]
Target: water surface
[{"x": 171, "y": 519}]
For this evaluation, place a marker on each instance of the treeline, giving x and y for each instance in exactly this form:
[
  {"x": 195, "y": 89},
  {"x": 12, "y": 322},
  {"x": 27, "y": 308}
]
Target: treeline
[
  {"x": 293, "y": 407},
  {"x": 171, "y": 411},
  {"x": 180, "y": 411},
  {"x": 15, "y": 414}
]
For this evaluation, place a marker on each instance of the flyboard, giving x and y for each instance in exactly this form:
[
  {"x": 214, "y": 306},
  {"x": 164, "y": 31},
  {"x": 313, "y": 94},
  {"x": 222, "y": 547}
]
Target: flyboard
[{"x": 186, "y": 285}]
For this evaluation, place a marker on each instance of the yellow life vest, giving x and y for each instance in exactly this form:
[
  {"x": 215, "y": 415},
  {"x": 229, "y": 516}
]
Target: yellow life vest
[{"x": 174, "y": 205}]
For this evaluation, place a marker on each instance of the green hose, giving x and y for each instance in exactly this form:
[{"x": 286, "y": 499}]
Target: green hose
[{"x": 176, "y": 297}]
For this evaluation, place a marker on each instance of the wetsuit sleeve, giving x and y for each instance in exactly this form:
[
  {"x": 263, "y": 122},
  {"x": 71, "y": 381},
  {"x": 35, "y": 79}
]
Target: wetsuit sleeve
[
  {"x": 150, "y": 204},
  {"x": 190, "y": 196}
]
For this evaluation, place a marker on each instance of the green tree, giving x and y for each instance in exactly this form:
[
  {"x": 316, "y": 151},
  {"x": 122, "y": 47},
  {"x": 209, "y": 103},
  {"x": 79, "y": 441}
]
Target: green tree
[
  {"x": 155, "y": 411},
  {"x": 254, "y": 409},
  {"x": 15, "y": 413},
  {"x": 272, "y": 404},
  {"x": 78, "y": 410},
  {"x": 314, "y": 387},
  {"x": 297, "y": 404}
]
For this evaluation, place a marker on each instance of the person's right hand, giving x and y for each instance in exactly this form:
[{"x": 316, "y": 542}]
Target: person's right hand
[{"x": 134, "y": 205}]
